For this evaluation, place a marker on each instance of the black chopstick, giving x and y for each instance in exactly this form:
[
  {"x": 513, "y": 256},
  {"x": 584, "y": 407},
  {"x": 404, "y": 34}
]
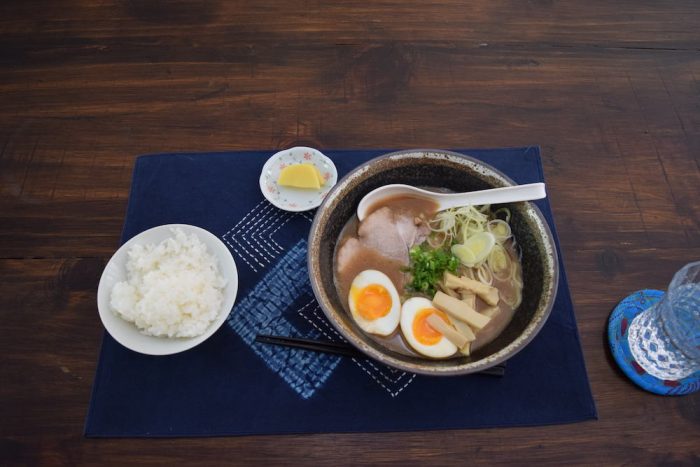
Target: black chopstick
[
  {"x": 337, "y": 348},
  {"x": 346, "y": 350}
]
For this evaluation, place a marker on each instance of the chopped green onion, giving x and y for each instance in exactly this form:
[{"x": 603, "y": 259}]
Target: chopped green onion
[{"x": 428, "y": 266}]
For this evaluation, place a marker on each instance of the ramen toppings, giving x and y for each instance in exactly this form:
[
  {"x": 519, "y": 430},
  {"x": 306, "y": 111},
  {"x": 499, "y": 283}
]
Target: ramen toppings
[{"x": 451, "y": 279}]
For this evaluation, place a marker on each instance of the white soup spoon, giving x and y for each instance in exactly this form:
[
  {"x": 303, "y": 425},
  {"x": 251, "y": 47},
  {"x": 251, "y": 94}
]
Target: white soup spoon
[{"x": 509, "y": 194}]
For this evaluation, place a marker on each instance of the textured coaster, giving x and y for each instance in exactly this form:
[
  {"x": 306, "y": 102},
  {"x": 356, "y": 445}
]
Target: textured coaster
[{"x": 618, "y": 327}]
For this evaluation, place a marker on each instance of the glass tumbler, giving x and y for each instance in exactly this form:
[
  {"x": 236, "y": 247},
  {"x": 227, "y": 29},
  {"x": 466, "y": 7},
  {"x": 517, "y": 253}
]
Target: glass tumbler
[{"x": 665, "y": 339}]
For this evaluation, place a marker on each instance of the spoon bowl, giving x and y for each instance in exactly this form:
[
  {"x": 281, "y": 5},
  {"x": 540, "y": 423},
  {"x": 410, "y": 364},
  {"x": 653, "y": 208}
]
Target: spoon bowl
[{"x": 509, "y": 194}]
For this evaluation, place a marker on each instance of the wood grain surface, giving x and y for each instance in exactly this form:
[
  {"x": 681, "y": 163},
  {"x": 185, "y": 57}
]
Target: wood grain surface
[{"x": 609, "y": 90}]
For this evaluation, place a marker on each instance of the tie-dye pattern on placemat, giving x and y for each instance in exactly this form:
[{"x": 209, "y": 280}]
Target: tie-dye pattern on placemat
[{"x": 231, "y": 385}]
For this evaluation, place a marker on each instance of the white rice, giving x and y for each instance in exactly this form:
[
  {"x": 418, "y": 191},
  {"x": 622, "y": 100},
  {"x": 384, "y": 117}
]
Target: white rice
[{"x": 173, "y": 289}]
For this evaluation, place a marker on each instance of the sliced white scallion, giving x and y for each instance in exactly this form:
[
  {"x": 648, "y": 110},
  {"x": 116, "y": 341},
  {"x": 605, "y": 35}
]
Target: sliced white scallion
[
  {"x": 516, "y": 297},
  {"x": 458, "y": 224},
  {"x": 475, "y": 250},
  {"x": 465, "y": 255},
  {"x": 500, "y": 229},
  {"x": 502, "y": 213},
  {"x": 500, "y": 263},
  {"x": 514, "y": 300}
]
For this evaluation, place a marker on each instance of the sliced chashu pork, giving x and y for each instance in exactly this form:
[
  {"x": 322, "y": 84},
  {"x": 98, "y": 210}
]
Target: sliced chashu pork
[
  {"x": 384, "y": 240},
  {"x": 350, "y": 249},
  {"x": 413, "y": 230},
  {"x": 380, "y": 232},
  {"x": 391, "y": 234},
  {"x": 354, "y": 257}
]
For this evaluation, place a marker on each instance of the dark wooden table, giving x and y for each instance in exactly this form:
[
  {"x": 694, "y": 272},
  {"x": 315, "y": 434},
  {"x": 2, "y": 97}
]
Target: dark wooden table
[{"x": 609, "y": 90}]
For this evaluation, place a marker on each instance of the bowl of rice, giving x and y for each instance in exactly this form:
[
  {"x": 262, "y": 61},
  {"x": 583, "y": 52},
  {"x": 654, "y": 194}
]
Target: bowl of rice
[{"x": 167, "y": 289}]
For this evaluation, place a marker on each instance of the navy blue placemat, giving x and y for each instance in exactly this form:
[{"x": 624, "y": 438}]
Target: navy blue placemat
[{"x": 230, "y": 385}]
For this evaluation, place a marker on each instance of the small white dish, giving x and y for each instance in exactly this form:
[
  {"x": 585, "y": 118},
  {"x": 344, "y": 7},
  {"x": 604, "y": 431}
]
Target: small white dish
[
  {"x": 296, "y": 199},
  {"x": 127, "y": 333}
]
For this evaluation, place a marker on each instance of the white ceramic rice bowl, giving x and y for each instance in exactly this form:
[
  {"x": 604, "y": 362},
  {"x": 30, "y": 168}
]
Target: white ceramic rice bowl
[{"x": 127, "y": 333}]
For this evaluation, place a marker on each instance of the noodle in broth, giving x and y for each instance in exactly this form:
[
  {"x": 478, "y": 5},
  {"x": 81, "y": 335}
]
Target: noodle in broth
[{"x": 501, "y": 268}]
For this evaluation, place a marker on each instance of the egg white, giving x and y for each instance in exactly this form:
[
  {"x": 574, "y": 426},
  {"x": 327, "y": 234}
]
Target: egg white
[
  {"x": 443, "y": 348},
  {"x": 386, "y": 324}
]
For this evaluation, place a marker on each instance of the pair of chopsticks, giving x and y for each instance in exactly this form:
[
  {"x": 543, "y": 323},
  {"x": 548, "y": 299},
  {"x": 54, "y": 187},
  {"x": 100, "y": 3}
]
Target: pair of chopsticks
[{"x": 339, "y": 348}]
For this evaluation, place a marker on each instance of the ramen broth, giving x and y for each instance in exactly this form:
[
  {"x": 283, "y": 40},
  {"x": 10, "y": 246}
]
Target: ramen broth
[
  {"x": 412, "y": 205},
  {"x": 422, "y": 210},
  {"x": 417, "y": 208},
  {"x": 367, "y": 259}
]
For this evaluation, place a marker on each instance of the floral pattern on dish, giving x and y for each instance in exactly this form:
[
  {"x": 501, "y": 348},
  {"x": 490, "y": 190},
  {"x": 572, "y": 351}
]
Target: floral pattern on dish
[{"x": 296, "y": 199}]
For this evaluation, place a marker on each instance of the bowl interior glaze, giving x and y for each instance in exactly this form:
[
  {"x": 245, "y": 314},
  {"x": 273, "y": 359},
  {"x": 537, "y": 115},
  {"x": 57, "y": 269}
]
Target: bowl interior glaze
[{"x": 459, "y": 173}]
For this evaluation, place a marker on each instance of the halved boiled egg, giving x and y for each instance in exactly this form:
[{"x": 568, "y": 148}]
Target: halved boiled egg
[
  {"x": 374, "y": 302},
  {"x": 419, "y": 334}
]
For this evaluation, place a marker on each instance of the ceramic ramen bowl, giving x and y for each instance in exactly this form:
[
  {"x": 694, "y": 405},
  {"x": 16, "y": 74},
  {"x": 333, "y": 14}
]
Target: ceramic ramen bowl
[{"x": 458, "y": 173}]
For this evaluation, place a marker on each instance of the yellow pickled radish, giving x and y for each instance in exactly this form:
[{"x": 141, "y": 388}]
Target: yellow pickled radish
[
  {"x": 475, "y": 249},
  {"x": 321, "y": 181},
  {"x": 301, "y": 176}
]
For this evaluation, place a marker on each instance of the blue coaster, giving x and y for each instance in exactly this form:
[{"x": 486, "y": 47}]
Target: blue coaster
[{"x": 618, "y": 324}]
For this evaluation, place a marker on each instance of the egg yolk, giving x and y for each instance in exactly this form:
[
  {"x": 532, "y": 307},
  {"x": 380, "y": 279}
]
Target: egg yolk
[
  {"x": 422, "y": 331},
  {"x": 373, "y": 302}
]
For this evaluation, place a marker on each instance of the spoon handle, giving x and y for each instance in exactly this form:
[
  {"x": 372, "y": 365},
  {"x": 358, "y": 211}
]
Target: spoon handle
[{"x": 509, "y": 194}]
